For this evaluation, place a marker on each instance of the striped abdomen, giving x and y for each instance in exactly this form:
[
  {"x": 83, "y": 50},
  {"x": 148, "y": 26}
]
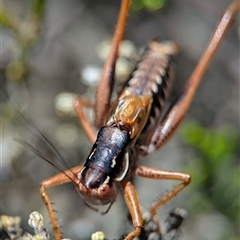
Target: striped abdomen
[{"x": 153, "y": 76}]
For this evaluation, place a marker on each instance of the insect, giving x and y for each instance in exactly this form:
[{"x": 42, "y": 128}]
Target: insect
[{"x": 131, "y": 126}]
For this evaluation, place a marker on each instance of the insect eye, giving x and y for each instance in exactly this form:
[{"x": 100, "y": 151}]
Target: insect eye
[{"x": 103, "y": 190}]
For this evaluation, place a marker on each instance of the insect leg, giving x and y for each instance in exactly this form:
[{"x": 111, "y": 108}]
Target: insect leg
[
  {"x": 105, "y": 86},
  {"x": 154, "y": 173},
  {"x": 131, "y": 200},
  {"x": 89, "y": 130},
  {"x": 60, "y": 178},
  {"x": 167, "y": 127}
]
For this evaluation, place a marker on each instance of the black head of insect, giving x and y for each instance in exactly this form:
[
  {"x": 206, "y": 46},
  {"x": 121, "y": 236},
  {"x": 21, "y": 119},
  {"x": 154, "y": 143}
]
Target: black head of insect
[{"x": 106, "y": 164}]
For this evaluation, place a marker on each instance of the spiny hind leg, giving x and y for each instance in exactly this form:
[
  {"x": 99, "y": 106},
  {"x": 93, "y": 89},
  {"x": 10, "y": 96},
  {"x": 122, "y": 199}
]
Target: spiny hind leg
[
  {"x": 177, "y": 111},
  {"x": 159, "y": 174},
  {"x": 60, "y": 178}
]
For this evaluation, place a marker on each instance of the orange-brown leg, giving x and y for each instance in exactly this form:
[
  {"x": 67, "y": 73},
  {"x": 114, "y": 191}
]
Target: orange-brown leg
[
  {"x": 131, "y": 200},
  {"x": 60, "y": 178},
  {"x": 167, "y": 127},
  {"x": 104, "y": 91},
  {"x": 79, "y": 105},
  {"x": 154, "y": 173}
]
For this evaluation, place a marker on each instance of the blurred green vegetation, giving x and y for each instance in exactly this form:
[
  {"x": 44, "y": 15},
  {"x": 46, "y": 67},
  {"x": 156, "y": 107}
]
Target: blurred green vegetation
[
  {"x": 151, "y": 5},
  {"x": 25, "y": 32},
  {"x": 216, "y": 171}
]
